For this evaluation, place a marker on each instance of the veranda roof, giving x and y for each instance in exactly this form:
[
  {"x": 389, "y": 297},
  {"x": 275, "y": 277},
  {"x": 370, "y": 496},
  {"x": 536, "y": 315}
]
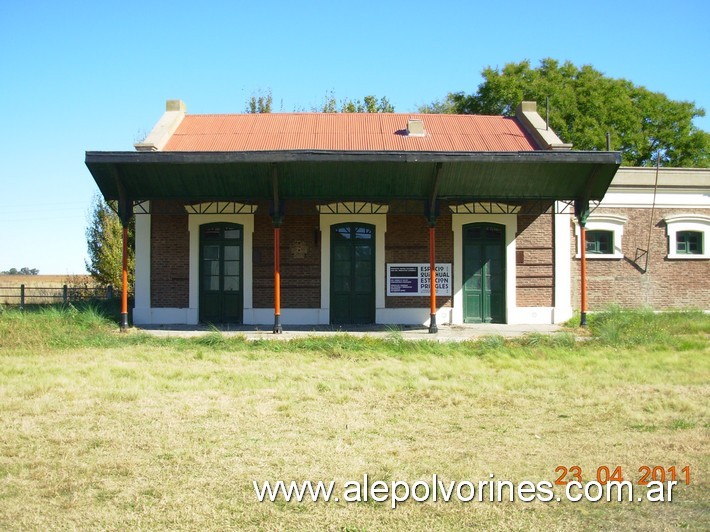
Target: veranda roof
[{"x": 351, "y": 175}]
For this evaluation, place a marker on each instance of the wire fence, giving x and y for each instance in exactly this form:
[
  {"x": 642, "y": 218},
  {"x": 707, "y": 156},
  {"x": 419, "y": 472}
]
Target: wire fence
[{"x": 46, "y": 295}]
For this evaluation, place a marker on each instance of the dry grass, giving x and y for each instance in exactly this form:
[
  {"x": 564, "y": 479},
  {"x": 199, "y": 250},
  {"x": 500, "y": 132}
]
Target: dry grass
[{"x": 170, "y": 435}]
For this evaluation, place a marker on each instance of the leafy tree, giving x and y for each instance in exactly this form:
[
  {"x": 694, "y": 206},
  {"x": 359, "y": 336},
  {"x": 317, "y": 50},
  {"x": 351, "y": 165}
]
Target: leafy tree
[
  {"x": 21, "y": 271},
  {"x": 369, "y": 104},
  {"x": 104, "y": 236},
  {"x": 585, "y": 105},
  {"x": 329, "y": 104},
  {"x": 260, "y": 103}
]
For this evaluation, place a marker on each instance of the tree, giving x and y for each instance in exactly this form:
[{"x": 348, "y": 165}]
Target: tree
[
  {"x": 585, "y": 105},
  {"x": 22, "y": 271},
  {"x": 260, "y": 103},
  {"x": 369, "y": 104},
  {"x": 104, "y": 236}
]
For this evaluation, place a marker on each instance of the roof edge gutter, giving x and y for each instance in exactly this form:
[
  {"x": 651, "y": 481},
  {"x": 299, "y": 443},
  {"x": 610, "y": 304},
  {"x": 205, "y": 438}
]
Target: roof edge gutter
[{"x": 174, "y": 157}]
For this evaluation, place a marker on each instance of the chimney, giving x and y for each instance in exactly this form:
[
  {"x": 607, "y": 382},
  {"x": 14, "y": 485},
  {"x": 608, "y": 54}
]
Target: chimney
[
  {"x": 415, "y": 127},
  {"x": 526, "y": 113},
  {"x": 162, "y": 131}
]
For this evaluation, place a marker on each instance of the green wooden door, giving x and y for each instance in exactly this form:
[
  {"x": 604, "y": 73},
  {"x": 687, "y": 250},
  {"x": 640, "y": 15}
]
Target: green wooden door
[
  {"x": 484, "y": 273},
  {"x": 221, "y": 298},
  {"x": 352, "y": 274}
]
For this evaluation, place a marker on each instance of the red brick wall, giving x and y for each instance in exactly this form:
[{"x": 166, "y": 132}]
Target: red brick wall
[
  {"x": 169, "y": 257},
  {"x": 535, "y": 258},
  {"x": 300, "y": 275},
  {"x": 668, "y": 283},
  {"x": 407, "y": 240}
]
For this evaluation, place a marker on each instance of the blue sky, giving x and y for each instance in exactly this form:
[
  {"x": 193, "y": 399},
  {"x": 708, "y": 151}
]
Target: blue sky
[{"x": 77, "y": 76}]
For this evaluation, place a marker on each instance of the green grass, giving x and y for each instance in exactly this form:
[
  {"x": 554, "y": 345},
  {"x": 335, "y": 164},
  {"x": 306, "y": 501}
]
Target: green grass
[
  {"x": 103, "y": 430},
  {"x": 618, "y": 327}
]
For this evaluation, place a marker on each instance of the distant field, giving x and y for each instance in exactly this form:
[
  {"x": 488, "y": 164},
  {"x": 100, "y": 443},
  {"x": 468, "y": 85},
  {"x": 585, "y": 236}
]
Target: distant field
[
  {"x": 42, "y": 280},
  {"x": 39, "y": 288}
]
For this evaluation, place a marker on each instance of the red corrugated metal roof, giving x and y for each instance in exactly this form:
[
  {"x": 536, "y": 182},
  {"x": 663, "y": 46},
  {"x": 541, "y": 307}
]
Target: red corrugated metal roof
[{"x": 348, "y": 132}]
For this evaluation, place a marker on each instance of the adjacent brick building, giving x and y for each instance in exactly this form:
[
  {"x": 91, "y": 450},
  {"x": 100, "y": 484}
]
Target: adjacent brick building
[{"x": 645, "y": 268}]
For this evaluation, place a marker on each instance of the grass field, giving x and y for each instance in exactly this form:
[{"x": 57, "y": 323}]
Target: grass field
[{"x": 102, "y": 430}]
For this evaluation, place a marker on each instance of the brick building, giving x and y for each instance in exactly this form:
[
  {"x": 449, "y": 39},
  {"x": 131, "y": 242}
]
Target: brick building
[
  {"x": 339, "y": 218},
  {"x": 658, "y": 229}
]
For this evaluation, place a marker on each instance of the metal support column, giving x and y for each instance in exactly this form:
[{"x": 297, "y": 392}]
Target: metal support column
[
  {"x": 583, "y": 275},
  {"x": 432, "y": 280},
  {"x": 125, "y": 211},
  {"x": 277, "y": 281},
  {"x": 276, "y": 217},
  {"x": 432, "y": 211},
  {"x": 124, "y": 282},
  {"x": 581, "y": 208}
]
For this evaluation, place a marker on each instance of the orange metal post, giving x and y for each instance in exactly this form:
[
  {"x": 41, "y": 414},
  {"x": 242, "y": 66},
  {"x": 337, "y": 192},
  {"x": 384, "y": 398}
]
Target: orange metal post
[
  {"x": 124, "y": 283},
  {"x": 432, "y": 279},
  {"x": 583, "y": 268},
  {"x": 277, "y": 281}
]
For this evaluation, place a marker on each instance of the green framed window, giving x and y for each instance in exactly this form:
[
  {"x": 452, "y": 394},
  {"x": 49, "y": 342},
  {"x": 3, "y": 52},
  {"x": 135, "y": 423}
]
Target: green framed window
[
  {"x": 689, "y": 243},
  {"x": 600, "y": 242}
]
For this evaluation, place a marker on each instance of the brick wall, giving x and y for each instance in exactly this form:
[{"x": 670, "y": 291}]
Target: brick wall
[
  {"x": 407, "y": 240},
  {"x": 300, "y": 261},
  {"x": 535, "y": 258},
  {"x": 668, "y": 283},
  {"x": 169, "y": 258}
]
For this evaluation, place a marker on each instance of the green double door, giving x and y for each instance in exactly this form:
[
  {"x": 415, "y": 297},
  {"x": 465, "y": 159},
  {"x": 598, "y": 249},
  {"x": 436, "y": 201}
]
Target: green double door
[
  {"x": 484, "y": 273},
  {"x": 352, "y": 274},
  {"x": 221, "y": 294}
]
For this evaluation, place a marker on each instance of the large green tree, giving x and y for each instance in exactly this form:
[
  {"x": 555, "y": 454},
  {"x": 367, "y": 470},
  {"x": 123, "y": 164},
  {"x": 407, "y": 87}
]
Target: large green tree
[
  {"x": 104, "y": 236},
  {"x": 585, "y": 104}
]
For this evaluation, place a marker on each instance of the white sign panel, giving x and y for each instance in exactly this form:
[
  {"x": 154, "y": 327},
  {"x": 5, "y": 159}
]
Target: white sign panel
[{"x": 413, "y": 279}]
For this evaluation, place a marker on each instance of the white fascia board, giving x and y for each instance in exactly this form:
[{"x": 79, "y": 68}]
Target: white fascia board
[{"x": 664, "y": 200}]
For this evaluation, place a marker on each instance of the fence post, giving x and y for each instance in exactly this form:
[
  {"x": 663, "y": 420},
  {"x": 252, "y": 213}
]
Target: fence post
[
  {"x": 22, "y": 297},
  {"x": 109, "y": 292},
  {"x": 65, "y": 294}
]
